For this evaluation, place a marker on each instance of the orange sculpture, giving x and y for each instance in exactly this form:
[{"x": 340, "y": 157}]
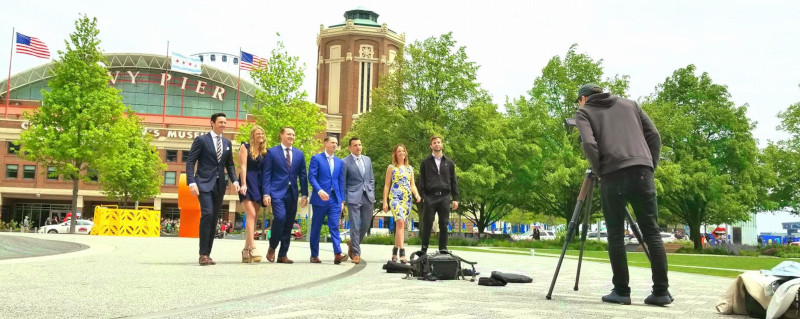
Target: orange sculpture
[{"x": 190, "y": 210}]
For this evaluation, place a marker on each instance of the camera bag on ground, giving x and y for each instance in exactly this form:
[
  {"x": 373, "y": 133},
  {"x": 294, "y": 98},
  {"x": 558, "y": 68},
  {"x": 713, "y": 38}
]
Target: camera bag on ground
[
  {"x": 442, "y": 265},
  {"x": 512, "y": 278},
  {"x": 394, "y": 267}
]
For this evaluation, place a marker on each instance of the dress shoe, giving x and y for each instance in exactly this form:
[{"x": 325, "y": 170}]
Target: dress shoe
[
  {"x": 664, "y": 300},
  {"x": 356, "y": 259},
  {"x": 204, "y": 260},
  {"x": 613, "y": 297},
  {"x": 284, "y": 260},
  {"x": 315, "y": 260},
  {"x": 338, "y": 259},
  {"x": 349, "y": 249},
  {"x": 271, "y": 254},
  {"x": 211, "y": 261}
]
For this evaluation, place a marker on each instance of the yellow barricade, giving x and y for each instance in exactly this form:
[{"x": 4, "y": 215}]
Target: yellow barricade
[{"x": 109, "y": 220}]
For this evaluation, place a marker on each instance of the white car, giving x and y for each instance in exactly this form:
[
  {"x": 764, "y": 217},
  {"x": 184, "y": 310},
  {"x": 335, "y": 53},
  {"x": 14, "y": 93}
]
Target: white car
[
  {"x": 528, "y": 235},
  {"x": 82, "y": 227},
  {"x": 593, "y": 236},
  {"x": 665, "y": 237}
]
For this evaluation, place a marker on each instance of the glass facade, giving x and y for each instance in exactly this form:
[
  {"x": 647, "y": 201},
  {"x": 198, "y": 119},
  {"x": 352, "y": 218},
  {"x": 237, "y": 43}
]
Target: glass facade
[{"x": 187, "y": 95}]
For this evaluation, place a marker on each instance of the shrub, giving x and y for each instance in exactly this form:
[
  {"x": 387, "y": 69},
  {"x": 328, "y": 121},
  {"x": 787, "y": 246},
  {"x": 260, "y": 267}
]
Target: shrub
[
  {"x": 790, "y": 251},
  {"x": 379, "y": 240},
  {"x": 770, "y": 252}
]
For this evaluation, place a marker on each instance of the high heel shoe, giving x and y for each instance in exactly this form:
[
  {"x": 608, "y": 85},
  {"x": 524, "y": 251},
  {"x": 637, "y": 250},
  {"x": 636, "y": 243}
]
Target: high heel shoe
[
  {"x": 403, "y": 255},
  {"x": 394, "y": 254},
  {"x": 246, "y": 258},
  {"x": 255, "y": 256}
]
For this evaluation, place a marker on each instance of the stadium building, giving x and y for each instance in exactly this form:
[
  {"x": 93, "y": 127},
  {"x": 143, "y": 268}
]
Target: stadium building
[{"x": 175, "y": 108}]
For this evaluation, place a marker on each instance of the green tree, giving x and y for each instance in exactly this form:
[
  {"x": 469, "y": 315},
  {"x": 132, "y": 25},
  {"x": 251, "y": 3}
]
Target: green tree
[
  {"x": 130, "y": 170},
  {"x": 281, "y": 102},
  {"x": 78, "y": 112},
  {"x": 548, "y": 158},
  {"x": 431, "y": 90},
  {"x": 783, "y": 157},
  {"x": 710, "y": 170}
]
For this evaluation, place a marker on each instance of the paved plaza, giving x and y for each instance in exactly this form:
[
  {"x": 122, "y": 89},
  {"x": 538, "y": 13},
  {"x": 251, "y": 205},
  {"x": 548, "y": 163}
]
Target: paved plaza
[{"x": 115, "y": 277}]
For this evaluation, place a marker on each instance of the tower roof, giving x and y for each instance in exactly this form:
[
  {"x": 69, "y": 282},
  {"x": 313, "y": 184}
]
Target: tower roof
[{"x": 361, "y": 16}]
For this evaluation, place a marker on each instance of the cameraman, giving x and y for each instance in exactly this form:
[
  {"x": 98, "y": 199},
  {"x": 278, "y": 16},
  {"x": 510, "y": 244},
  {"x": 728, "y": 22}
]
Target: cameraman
[{"x": 622, "y": 145}]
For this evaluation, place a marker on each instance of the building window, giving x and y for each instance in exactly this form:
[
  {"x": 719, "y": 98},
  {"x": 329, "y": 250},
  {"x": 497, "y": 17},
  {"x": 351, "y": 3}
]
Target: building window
[
  {"x": 51, "y": 173},
  {"x": 213, "y": 58},
  {"x": 172, "y": 155},
  {"x": 224, "y": 58},
  {"x": 235, "y": 60},
  {"x": 184, "y": 155},
  {"x": 12, "y": 149},
  {"x": 365, "y": 87},
  {"x": 201, "y": 58},
  {"x": 169, "y": 178},
  {"x": 93, "y": 175},
  {"x": 29, "y": 172},
  {"x": 12, "y": 171}
]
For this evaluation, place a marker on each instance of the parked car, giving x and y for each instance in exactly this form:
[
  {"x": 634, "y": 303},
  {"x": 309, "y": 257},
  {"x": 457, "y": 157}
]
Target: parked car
[
  {"x": 665, "y": 237},
  {"x": 528, "y": 235},
  {"x": 593, "y": 236},
  {"x": 82, "y": 227},
  {"x": 344, "y": 234},
  {"x": 297, "y": 233}
]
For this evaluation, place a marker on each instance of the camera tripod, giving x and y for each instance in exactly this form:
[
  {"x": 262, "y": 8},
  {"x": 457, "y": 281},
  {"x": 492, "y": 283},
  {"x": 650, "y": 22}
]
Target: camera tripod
[{"x": 583, "y": 209}]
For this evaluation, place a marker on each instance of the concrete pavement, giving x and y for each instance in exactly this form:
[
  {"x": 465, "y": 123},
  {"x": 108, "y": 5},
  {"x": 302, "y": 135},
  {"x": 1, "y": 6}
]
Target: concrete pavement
[{"x": 159, "y": 278}]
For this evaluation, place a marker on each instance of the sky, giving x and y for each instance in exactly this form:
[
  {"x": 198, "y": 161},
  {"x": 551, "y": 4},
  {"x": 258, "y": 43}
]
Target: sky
[{"x": 753, "y": 47}]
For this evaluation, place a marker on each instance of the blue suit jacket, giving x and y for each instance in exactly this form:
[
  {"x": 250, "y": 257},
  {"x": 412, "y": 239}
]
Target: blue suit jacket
[
  {"x": 319, "y": 175},
  {"x": 277, "y": 178},
  {"x": 355, "y": 182},
  {"x": 209, "y": 170}
]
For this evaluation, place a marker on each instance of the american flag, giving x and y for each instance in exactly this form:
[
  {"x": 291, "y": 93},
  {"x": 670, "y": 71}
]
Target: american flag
[
  {"x": 32, "y": 46},
  {"x": 251, "y": 61}
]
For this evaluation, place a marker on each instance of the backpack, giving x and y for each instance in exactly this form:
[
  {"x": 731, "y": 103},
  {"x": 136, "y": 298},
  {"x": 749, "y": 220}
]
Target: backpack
[{"x": 439, "y": 266}]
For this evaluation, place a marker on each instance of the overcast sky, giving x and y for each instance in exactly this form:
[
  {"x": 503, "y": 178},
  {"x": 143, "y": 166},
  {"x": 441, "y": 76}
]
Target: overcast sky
[{"x": 753, "y": 47}]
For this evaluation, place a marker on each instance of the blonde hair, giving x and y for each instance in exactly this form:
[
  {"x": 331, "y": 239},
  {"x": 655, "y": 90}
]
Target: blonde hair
[
  {"x": 395, "y": 161},
  {"x": 257, "y": 148}
]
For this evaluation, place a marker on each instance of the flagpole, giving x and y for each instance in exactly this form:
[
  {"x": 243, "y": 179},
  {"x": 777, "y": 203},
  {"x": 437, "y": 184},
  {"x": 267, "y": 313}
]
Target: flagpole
[
  {"x": 238, "y": 83},
  {"x": 8, "y": 82},
  {"x": 164, "y": 114}
]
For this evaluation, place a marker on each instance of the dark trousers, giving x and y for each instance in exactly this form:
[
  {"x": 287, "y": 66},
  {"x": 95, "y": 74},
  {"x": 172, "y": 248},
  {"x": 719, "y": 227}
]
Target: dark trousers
[
  {"x": 284, "y": 212},
  {"x": 633, "y": 185},
  {"x": 210, "y": 203},
  {"x": 436, "y": 204}
]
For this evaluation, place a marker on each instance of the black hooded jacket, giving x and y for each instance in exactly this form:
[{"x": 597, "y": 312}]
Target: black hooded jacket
[{"x": 616, "y": 133}]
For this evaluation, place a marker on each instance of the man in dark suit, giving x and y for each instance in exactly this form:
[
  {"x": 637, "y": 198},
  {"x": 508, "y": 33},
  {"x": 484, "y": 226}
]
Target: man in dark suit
[
  {"x": 282, "y": 168},
  {"x": 439, "y": 188},
  {"x": 359, "y": 195},
  {"x": 213, "y": 156},
  {"x": 327, "y": 183}
]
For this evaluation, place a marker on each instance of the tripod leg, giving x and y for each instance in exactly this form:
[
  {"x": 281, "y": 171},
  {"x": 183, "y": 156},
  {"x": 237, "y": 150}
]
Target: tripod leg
[
  {"x": 637, "y": 233},
  {"x": 570, "y": 230},
  {"x": 587, "y": 213}
]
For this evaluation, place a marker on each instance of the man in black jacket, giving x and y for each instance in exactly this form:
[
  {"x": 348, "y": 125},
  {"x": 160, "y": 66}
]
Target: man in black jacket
[
  {"x": 622, "y": 145},
  {"x": 439, "y": 188}
]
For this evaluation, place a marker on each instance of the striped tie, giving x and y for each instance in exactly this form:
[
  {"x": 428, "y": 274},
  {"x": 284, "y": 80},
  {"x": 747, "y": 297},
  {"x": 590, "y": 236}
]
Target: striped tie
[{"x": 219, "y": 149}]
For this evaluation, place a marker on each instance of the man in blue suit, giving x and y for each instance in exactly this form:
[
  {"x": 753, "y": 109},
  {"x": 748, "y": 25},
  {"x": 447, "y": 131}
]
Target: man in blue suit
[
  {"x": 327, "y": 184},
  {"x": 213, "y": 156},
  {"x": 359, "y": 195},
  {"x": 282, "y": 168}
]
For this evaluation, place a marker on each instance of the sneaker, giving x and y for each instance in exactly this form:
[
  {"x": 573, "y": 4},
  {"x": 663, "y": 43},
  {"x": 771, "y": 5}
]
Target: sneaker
[
  {"x": 613, "y": 297},
  {"x": 664, "y": 300}
]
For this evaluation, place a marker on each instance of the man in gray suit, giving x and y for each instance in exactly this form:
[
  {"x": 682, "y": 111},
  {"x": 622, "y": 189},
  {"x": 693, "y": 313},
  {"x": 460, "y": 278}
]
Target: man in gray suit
[{"x": 359, "y": 183}]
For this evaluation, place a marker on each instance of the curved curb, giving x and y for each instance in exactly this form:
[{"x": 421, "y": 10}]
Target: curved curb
[
  {"x": 222, "y": 303},
  {"x": 83, "y": 251}
]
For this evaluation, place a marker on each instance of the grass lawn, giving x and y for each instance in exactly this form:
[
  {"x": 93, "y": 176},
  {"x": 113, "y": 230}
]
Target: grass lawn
[{"x": 731, "y": 266}]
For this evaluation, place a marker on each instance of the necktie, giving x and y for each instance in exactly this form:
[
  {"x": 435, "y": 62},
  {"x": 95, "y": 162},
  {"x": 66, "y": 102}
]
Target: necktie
[
  {"x": 360, "y": 165},
  {"x": 330, "y": 164},
  {"x": 219, "y": 149},
  {"x": 288, "y": 158}
]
